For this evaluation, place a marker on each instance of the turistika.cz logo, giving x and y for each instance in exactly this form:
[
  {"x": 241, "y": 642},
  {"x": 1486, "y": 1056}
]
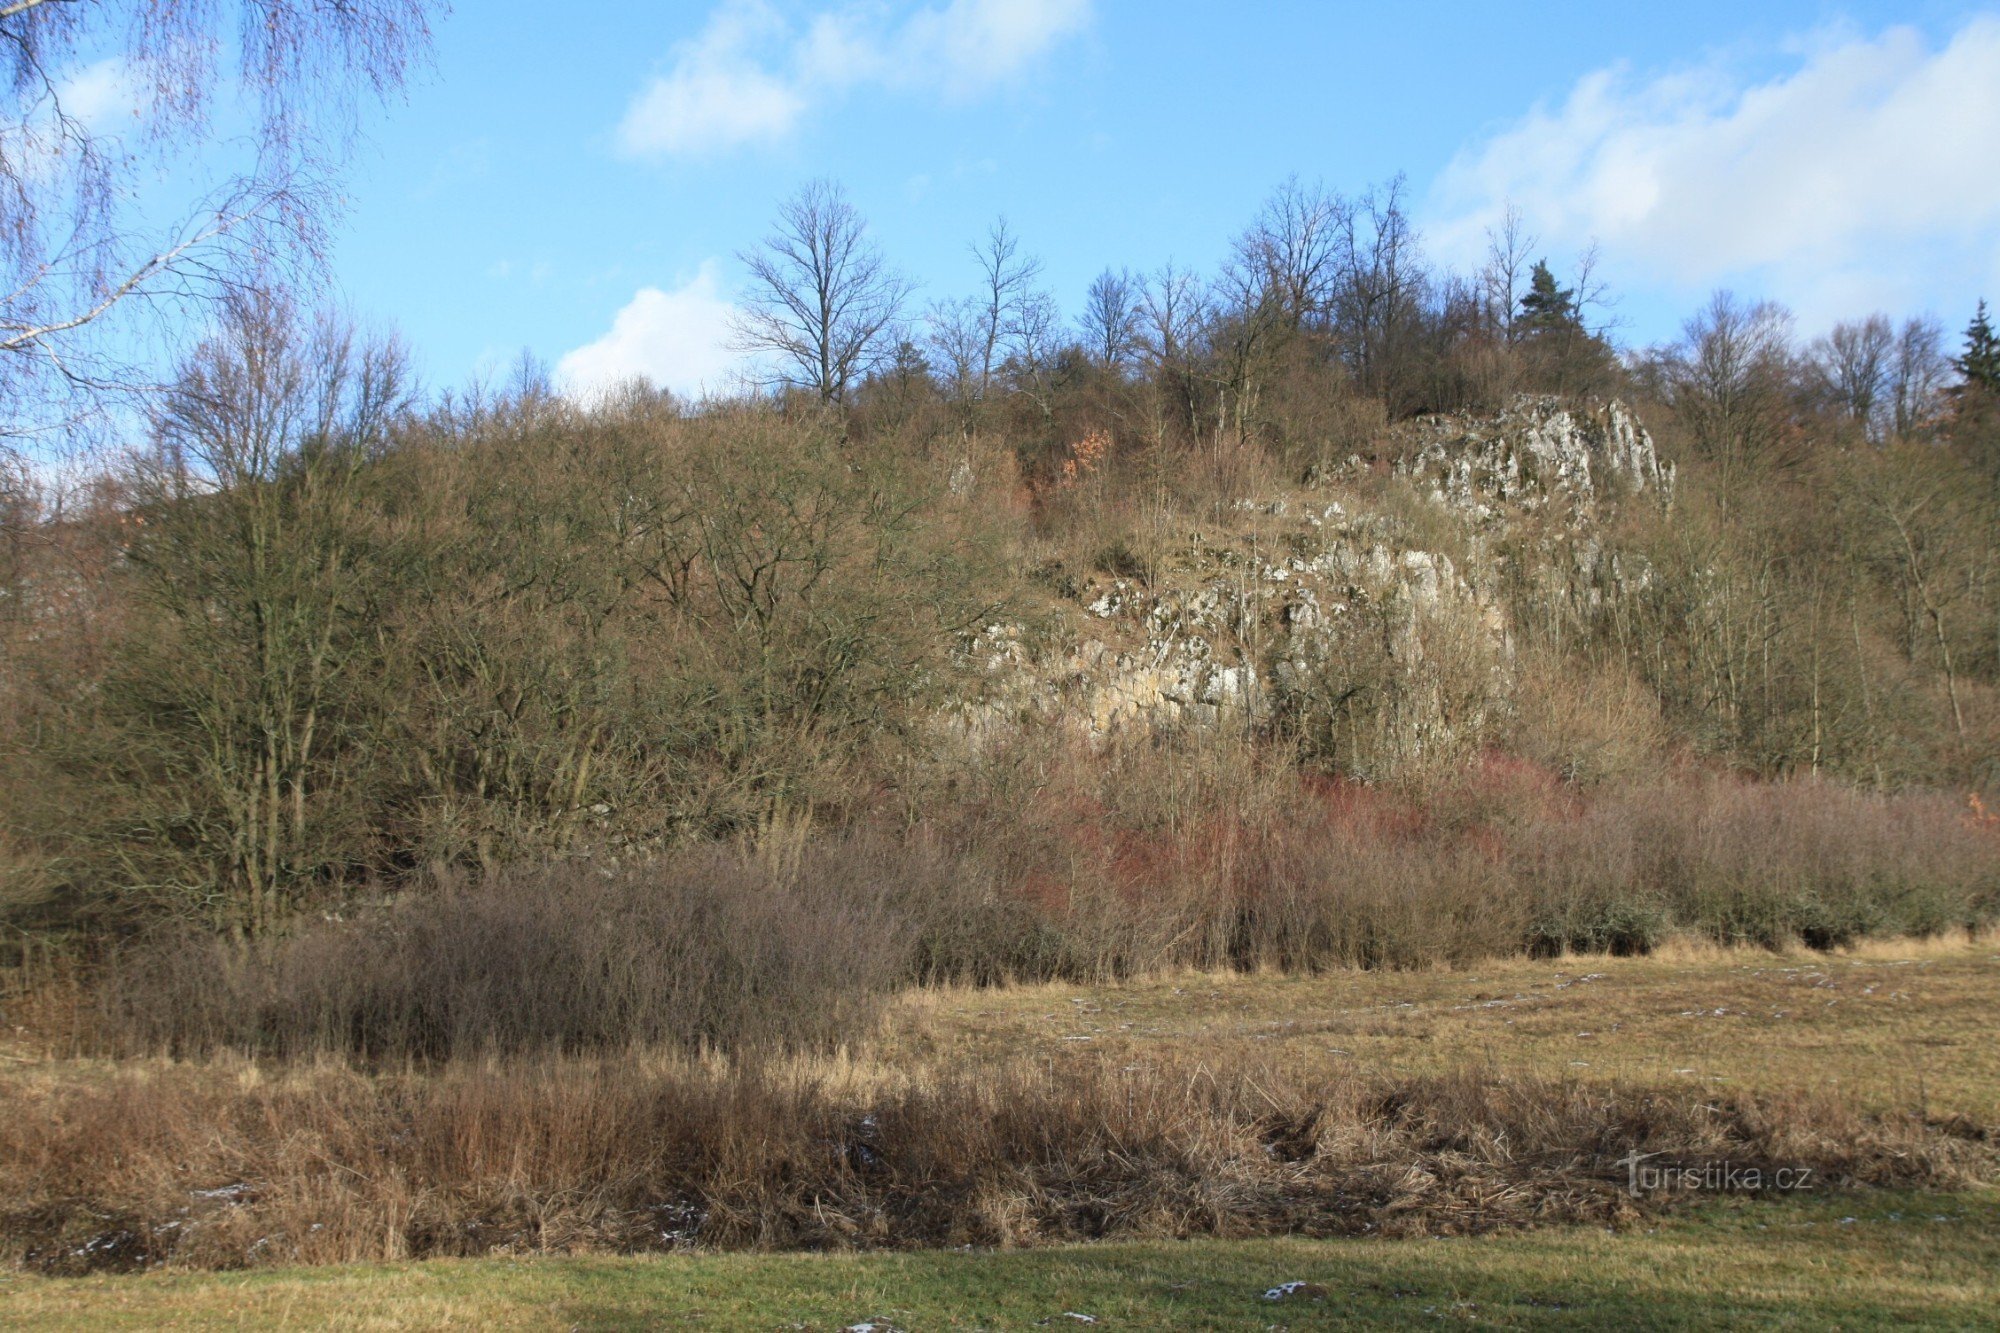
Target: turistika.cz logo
[{"x": 1708, "y": 1177}]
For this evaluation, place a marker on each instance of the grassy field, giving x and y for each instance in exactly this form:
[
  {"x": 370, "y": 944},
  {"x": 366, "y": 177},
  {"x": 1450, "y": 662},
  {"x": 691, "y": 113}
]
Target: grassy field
[
  {"x": 1834, "y": 1261},
  {"x": 1890, "y": 1027},
  {"x": 1894, "y": 1025}
]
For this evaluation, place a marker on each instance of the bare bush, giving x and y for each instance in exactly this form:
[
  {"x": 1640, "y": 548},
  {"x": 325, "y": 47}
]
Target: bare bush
[
  {"x": 1177, "y": 854},
  {"x": 1770, "y": 865},
  {"x": 712, "y": 947}
]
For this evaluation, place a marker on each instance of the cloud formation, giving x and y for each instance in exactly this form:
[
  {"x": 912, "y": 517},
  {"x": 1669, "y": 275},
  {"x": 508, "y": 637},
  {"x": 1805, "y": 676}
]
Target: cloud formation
[
  {"x": 751, "y": 76},
  {"x": 1859, "y": 176},
  {"x": 678, "y": 339},
  {"x": 103, "y": 94}
]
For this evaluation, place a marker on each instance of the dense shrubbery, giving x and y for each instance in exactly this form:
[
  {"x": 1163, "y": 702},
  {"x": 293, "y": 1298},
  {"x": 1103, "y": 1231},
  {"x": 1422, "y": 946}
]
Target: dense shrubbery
[
  {"x": 703, "y": 948},
  {"x": 1098, "y": 873},
  {"x": 357, "y": 647}
]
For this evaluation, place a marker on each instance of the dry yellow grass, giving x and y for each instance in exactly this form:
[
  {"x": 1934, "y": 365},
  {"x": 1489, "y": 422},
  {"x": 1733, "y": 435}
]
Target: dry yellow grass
[
  {"x": 1888, "y": 1025},
  {"x": 1378, "y": 1103}
]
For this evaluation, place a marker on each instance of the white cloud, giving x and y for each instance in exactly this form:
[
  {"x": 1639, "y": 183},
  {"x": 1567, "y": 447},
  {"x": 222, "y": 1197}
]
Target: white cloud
[
  {"x": 972, "y": 45},
  {"x": 716, "y": 97},
  {"x": 1860, "y": 174},
  {"x": 103, "y": 94},
  {"x": 751, "y": 76},
  {"x": 105, "y": 98},
  {"x": 679, "y": 339}
]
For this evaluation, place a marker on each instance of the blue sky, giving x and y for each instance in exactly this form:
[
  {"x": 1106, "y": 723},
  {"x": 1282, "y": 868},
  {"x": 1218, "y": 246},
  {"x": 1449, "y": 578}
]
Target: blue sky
[{"x": 576, "y": 182}]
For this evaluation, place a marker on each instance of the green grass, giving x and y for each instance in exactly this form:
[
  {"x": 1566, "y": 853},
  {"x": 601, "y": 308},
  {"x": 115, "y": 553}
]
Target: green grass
[{"x": 1826, "y": 1261}]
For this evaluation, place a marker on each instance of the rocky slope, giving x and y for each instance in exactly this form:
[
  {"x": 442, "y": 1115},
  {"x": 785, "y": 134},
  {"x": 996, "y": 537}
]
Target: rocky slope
[{"x": 1369, "y": 609}]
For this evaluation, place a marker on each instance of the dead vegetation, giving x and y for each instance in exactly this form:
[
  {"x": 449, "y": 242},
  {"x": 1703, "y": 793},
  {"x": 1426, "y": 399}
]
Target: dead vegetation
[
  {"x": 484, "y": 829},
  {"x": 227, "y": 1165}
]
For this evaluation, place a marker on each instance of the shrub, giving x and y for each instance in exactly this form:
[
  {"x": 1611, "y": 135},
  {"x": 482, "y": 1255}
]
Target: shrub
[
  {"x": 709, "y": 947},
  {"x": 1066, "y": 866}
]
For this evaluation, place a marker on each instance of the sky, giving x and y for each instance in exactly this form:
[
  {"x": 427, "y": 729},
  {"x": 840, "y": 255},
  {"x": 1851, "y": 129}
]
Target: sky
[{"x": 577, "y": 182}]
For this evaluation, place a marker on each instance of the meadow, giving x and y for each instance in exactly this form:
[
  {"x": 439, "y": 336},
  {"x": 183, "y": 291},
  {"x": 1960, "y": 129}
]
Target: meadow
[
  {"x": 1155, "y": 1152},
  {"x": 1883, "y": 1260}
]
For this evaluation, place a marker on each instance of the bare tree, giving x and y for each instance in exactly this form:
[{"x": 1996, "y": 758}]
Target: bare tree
[
  {"x": 1006, "y": 293},
  {"x": 1917, "y": 374},
  {"x": 1852, "y": 364},
  {"x": 1004, "y": 324},
  {"x": 955, "y": 336},
  {"x": 1595, "y": 304},
  {"x": 821, "y": 296},
  {"x": 1278, "y": 283},
  {"x": 21, "y": 511},
  {"x": 1288, "y": 258},
  {"x": 255, "y": 562},
  {"x": 1728, "y": 375},
  {"x": 1927, "y": 532},
  {"x": 1174, "y": 314},
  {"x": 1509, "y": 251},
  {"x": 88, "y": 273},
  {"x": 1381, "y": 283},
  {"x": 1110, "y": 320},
  {"x": 1035, "y": 351}
]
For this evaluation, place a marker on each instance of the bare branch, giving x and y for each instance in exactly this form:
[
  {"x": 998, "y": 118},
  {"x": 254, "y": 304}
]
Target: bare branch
[
  {"x": 77, "y": 247},
  {"x": 821, "y": 294}
]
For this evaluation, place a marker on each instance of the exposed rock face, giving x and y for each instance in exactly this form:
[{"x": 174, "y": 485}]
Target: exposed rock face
[
  {"x": 1331, "y": 611},
  {"x": 1241, "y": 635},
  {"x": 1536, "y": 451}
]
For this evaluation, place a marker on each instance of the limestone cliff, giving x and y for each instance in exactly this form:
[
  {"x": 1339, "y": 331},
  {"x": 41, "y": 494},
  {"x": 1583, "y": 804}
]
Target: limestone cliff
[{"x": 1366, "y": 609}]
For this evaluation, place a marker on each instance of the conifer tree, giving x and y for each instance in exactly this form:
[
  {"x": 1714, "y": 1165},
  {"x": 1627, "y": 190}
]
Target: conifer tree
[
  {"x": 1981, "y": 363},
  {"x": 1547, "y": 305}
]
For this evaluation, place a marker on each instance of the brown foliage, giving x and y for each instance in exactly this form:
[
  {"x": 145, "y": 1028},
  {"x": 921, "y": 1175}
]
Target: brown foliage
[{"x": 1205, "y": 854}]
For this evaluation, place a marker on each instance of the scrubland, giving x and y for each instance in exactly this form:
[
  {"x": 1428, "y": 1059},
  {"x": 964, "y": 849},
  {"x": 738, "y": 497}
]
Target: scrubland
[{"x": 646, "y": 837}]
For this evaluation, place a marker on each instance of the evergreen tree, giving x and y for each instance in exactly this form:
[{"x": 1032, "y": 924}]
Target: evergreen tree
[
  {"x": 1547, "y": 305},
  {"x": 1981, "y": 363}
]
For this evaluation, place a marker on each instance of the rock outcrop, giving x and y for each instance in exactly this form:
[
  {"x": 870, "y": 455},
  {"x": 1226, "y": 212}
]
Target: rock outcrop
[
  {"x": 1535, "y": 452},
  {"x": 1334, "y": 608}
]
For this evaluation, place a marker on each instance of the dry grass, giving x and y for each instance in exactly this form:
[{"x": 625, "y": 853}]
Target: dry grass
[
  {"x": 1884, "y": 1025},
  {"x": 221, "y": 1165},
  {"x": 599, "y": 1060}
]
